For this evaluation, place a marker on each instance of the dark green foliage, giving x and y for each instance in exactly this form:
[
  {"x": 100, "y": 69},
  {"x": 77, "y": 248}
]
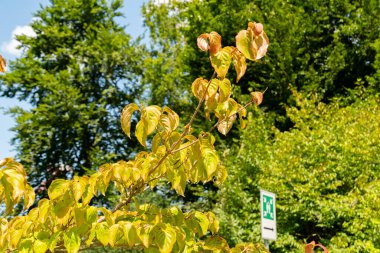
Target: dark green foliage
[
  {"x": 324, "y": 172},
  {"x": 77, "y": 73},
  {"x": 316, "y": 46}
]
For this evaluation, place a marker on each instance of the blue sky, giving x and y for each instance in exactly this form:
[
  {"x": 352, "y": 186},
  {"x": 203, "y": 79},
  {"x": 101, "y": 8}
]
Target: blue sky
[{"x": 15, "y": 16}]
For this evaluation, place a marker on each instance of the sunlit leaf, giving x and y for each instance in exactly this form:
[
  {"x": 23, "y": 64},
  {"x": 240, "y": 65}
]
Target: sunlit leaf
[
  {"x": 225, "y": 89},
  {"x": 252, "y": 43},
  {"x": 149, "y": 119},
  {"x": 79, "y": 185},
  {"x": 130, "y": 233},
  {"x": 169, "y": 120},
  {"x": 29, "y": 197},
  {"x": 102, "y": 233},
  {"x": 257, "y": 97},
  {"x": 203, "y": 42},
  {"x": 221, "y": 61},
  {"x": 126, "y": 116},
  {"x": 58, "y": 187},
  {"x": 199, "y": 87},
  {"x": 210, "y": 41},
  {"x": 40, "y": 246},
  {"x": 164, "y": 237},
  {"x": 238, "y": 59},
  {"x": 3, "y": 64},
  {"x": 116, "y": 234},
  {"x": 71, "y": 241}
]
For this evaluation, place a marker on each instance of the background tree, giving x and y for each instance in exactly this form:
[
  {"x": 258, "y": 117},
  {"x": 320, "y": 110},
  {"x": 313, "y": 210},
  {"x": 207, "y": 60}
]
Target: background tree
[
  {"x": 314, "y": 47},
  {"x": 324, "y": 172},
  {"x": 77, "y": 72},
  {"x": 324, "y": 48}
]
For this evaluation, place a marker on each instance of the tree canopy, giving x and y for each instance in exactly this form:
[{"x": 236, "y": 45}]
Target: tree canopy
[
  {"x": 315, "y": 46},
  {"x": 324, "y": 172},
  {"x": 77, "y": 72}
]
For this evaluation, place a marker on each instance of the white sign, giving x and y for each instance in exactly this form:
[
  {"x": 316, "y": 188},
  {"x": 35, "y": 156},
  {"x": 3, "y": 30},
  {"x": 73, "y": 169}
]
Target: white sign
[{"x": 268, "y": 215}]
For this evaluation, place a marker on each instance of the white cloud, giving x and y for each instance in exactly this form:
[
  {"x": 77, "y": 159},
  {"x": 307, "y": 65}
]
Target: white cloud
[{"x": 10, "y": 46}]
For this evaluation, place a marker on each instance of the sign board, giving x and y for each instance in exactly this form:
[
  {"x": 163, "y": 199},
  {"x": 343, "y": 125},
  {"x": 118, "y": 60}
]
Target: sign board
[{"x": 268, "y": 215}]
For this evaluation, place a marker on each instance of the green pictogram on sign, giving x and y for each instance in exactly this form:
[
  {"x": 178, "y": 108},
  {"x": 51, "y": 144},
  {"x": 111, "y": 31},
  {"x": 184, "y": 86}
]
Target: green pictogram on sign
[{"x": 268, "y": 207}]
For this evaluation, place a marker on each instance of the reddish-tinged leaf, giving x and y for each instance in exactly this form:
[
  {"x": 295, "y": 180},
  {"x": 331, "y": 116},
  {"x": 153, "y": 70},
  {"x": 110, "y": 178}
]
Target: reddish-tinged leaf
[
  {"x": 210, "y": 41},
  {"x": 253, "y": 42},
  {"x": 257, "y": 97},
  {"x": 215, "y": 42},
  {"x": 239, "y": 62},
  {"x": 203, "y": 43},
  {"x": 309, "y": 247}
]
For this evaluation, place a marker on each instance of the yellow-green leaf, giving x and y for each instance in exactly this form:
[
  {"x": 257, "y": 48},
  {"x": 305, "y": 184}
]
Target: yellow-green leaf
[
  {"x": 148, "y": 123},
  {"x": 71, "y": 241},
  {"x": 102, "y": 233},
  {"x": 57, "y": 188},
  {"x": 164, "y": 237},
  {"x": 91, "y": 214},
  {"x": 130, "y": 233},
  {"x": 79, "y": 185},
  {"x": 225, "y": 89},
  {"x": 198, "y": 87},
  {"x": 238, "y": 59},
  {"x": 40, "y": 246},
  {"x": 126, "y": 116},
  {"x": 221, "y": 61},
  {"x": 116, "y": 234},
  {"x": 29, "y": 197}
]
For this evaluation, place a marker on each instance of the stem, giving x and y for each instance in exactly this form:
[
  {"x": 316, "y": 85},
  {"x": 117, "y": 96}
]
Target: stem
[
  {"x": 213, "y": 127},
  {"x": 185, "y": 131}
]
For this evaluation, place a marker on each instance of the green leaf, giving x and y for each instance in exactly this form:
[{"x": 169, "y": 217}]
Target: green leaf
[
  {"x": 79, "y": 215},
  {"x": 126, "y": 116},
  {"x": 252, "y": 46},
  {"x": 71, "y": 241},
  {"x": 58, "y": 188},
  {"x": 221, "y": 61}
]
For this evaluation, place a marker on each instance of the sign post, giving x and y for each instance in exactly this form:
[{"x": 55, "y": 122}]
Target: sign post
[{"x": 268, "y": 216}]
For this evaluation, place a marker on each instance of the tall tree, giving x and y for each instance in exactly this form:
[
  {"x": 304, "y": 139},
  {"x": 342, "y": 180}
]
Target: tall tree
[
  {"x": 316, "y": 46},
  {"x": 77, "y": 72}
]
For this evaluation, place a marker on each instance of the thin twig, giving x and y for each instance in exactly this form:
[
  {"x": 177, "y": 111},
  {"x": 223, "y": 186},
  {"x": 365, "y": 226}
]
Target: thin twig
[{"x": 213, "y": 127}]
